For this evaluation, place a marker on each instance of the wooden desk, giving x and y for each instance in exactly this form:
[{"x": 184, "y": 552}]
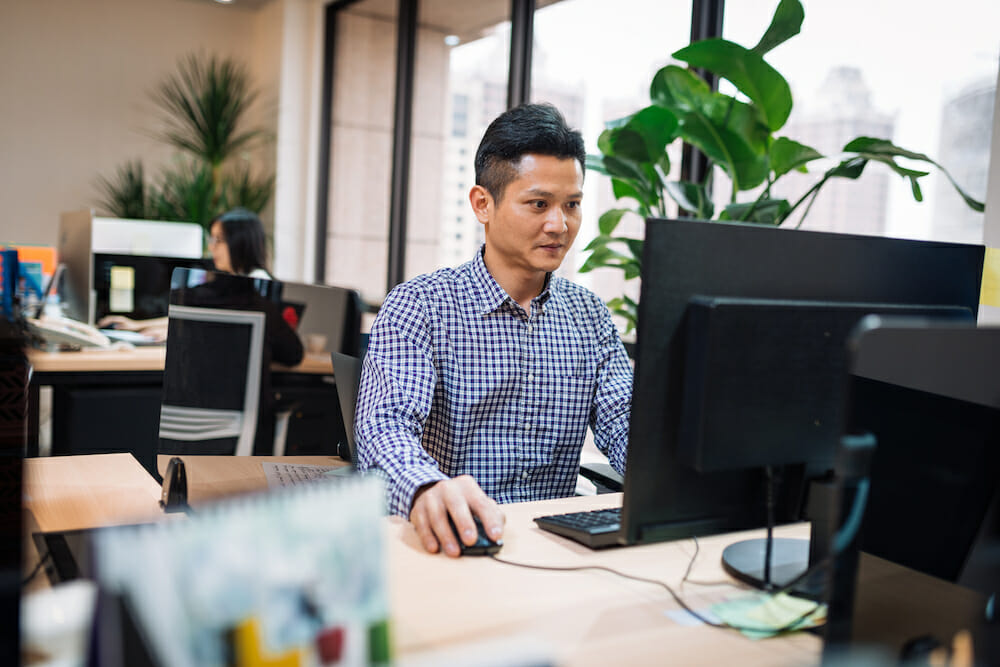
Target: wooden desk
[
  {"x": 92, "y": 388},
  {"x": 439, "y": 603},
  {"x": 213, "y": 477}
]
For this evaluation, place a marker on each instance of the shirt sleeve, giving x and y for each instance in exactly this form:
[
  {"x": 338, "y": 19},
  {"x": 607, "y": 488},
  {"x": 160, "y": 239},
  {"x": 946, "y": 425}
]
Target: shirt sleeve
[
  {"x": 612, "y": 404},
  {"x": 394, "y": 399}
]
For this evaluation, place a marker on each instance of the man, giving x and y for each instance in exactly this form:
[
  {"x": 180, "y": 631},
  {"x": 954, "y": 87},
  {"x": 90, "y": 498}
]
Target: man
[{"x": 479, "y": 382}]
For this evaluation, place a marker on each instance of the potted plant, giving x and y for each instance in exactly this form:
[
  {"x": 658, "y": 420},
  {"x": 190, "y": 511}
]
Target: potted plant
[
  {"x": 203, "y": 106},
  {"x": 738, "y": 134}
]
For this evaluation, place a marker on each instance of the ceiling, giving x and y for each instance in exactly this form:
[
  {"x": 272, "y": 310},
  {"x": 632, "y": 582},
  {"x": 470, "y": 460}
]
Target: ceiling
[{"x": 468, "y": 19}]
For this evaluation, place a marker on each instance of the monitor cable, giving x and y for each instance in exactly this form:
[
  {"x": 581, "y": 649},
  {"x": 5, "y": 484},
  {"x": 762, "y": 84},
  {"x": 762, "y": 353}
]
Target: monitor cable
[{"x": 844, "y": 537}]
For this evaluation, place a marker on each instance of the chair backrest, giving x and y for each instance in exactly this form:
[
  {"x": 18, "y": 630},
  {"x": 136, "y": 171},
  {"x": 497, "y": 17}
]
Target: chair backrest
[{"x": 212, "y": 376}]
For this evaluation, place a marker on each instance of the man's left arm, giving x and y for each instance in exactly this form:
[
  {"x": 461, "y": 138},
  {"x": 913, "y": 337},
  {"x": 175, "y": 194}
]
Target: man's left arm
[{"x": 609, "y": 415}]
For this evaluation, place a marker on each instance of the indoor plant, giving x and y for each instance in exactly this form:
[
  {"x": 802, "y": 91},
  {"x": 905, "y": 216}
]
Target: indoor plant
[
  {"x": 737, "y": 133},
  {"x": 203, "y": 107}
]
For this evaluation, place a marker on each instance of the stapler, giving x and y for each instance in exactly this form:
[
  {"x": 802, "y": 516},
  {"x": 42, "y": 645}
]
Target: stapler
[{"x": 174, "y": 495}]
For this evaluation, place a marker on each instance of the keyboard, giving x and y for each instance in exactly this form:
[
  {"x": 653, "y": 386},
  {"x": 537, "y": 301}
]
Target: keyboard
[{"x": 594, "y": 528}]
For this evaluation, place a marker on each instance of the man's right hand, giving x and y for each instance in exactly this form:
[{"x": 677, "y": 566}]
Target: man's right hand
[{"x": 461, "y": 498}]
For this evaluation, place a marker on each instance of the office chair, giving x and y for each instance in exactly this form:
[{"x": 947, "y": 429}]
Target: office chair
[{"x": 211, "y": 382}]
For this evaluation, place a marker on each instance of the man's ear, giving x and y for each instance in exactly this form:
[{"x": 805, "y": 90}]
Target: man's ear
[{"x": 482, "y": 203}]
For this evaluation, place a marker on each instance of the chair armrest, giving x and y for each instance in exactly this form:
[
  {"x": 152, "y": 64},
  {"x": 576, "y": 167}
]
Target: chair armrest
[{"x": 603, "y": 476}]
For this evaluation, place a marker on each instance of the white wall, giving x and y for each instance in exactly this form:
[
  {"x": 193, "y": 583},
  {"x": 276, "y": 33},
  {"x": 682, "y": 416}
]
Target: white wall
[{"x": 74, "y": 84}]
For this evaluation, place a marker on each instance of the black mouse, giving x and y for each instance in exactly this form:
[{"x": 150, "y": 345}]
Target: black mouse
[{"x": 483, "y": 546}]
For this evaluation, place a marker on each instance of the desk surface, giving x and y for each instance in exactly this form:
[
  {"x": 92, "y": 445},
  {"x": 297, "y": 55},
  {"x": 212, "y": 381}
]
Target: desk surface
[
  {"x": 438, "y": 603},
  {"x": 149, "y": 358}
]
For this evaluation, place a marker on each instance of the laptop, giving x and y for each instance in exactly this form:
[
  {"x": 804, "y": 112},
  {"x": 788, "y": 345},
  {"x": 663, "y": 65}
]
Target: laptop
[{"x": 347, "y": 375}]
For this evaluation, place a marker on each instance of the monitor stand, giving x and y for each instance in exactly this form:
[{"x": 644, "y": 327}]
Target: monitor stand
[
  {"x": 835, "y": 509},
  {"x": 748, "y": 562}
]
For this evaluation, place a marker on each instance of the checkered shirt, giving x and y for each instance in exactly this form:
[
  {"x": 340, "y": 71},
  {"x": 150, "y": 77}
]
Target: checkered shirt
[{"x": 459, "y": 379}]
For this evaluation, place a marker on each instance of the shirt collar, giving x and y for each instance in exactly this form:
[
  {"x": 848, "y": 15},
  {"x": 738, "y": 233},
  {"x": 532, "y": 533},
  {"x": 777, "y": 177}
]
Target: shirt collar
[{"x": 491, "y": 295}]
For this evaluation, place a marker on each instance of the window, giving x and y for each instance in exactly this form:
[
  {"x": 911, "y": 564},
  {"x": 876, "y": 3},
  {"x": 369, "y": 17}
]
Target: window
[
  {"x": 595, "y": 65},
  {"x": 926, "y": 80}
]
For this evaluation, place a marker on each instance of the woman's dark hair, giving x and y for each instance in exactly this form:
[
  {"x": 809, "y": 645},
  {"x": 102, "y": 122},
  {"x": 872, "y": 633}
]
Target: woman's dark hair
[
  {"x": 245, "y": 238},
  {"x": 537, "y": 129}
]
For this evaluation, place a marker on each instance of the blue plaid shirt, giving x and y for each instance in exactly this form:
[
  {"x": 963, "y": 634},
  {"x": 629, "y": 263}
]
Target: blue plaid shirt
[{"x": 459, "y": 379}]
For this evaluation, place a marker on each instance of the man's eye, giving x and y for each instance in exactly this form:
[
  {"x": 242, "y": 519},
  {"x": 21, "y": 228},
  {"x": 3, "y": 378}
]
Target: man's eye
[
  {"x": 538, "y": 203},
  {"x": 573, "y": 204}
]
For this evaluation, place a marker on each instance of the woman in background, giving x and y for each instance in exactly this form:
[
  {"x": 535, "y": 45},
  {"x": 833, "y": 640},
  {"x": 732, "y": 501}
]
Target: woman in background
[{"x": 238, "y": 245}]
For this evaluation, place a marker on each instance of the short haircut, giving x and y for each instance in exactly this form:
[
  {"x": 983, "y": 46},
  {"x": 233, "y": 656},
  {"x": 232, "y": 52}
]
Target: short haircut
[
  {"x": 537, "y": 129},
  {"x": 245, "y": 238}
]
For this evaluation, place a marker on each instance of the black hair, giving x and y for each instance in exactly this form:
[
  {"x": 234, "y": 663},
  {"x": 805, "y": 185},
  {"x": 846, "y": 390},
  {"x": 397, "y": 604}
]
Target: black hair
[
  {"x": 245, "y": 238},
  {"x": 526, "y": 129}
]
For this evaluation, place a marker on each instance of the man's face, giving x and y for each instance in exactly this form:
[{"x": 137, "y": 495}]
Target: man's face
[{"x": 538, "y": 217}]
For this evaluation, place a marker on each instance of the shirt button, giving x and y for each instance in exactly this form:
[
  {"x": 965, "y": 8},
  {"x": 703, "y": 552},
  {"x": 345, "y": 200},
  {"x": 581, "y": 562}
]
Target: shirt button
[
  {"x": 529, "y": 327},
  {"x": 531, "y": 378},
  {"x": 527, "y": 427},
  {"x": 524, "y": 476}
]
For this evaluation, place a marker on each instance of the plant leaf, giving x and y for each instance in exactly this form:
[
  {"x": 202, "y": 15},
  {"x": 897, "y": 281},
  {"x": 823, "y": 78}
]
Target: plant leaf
[
  {"x": 785, "y": 24},
  {"x": 596, "y": 163},
  {"x": 767, "y": 211},
  {"x": 787, "y": 154},
  {"x": 679, "y": 89},
  {"x": 884, "y": 151},
  {"x": 692, "y": 197},
  {"x": 622, "y": 188},
  {"x": 746, "y": 70},
  {"x": 746, "y": 168},
  {"x": 610, "y": 219}
]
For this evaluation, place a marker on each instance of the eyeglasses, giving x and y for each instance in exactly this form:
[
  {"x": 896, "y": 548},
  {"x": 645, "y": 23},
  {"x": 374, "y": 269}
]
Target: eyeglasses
[{"x": 216, "y": 240}]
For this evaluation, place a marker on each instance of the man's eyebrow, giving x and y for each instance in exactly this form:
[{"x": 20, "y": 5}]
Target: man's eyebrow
[{"x": 538, "y": 192}]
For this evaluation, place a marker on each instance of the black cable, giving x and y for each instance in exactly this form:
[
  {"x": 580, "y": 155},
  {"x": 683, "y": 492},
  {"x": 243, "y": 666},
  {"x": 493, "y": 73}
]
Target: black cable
[
  {"x": 694, "y": 557},
  {"x": 38, "y": 568},
  {"x": 577, "y": 568}
]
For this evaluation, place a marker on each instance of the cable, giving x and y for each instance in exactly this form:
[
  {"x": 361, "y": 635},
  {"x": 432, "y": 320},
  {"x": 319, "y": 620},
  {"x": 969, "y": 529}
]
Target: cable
[
  {"x": 694, "y": 557},
  {"x": 38, "y": 568},
  {"x": 578, "y": 568}
]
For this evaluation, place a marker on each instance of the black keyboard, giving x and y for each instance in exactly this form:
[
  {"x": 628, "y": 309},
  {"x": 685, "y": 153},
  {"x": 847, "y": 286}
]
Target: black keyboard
[{"x": 595, "y": 529}]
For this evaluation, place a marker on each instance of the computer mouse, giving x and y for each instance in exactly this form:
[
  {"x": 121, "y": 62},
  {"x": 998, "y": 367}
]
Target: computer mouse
[{"x": 483, "y": 545}]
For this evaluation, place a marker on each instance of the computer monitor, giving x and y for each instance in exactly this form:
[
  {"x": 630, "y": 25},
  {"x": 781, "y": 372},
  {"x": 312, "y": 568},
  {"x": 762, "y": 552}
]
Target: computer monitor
[
  {"x": 136, "y": 286},
  {"x": 929, "y": 394},
  {"x": 666, "y": 496}
]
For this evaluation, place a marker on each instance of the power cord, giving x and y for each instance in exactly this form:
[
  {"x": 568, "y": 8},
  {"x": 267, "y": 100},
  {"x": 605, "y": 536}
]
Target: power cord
[
  {"x": 844, "y": 536},
  {"x": 578, "y": 568}
]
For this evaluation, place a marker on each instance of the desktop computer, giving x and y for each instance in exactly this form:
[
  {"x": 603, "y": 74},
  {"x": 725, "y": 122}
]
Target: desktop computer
[{"x": 694, "y": 472}]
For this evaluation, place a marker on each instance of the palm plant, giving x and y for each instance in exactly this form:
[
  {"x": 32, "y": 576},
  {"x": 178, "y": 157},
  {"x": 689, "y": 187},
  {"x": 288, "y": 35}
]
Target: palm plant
[
  {"x": 203, "y": 108},
  {"x": 125, "y": 193}
]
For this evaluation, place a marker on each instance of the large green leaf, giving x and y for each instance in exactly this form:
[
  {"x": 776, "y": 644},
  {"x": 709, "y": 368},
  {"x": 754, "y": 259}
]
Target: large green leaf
[
  {"x": 623, "y": 189},
  {"x": 603, "y": 256},
  {"x": 742, "y": 118},
  {"x": 610, "y": 219},
  {"x": 596, "y": 163},
  {"x": 745, "y": 167},
  {"x": 692, "y": 197},
  {"x": 679, "y": 90},
  {"x": 657, "y": 127},
  {"x": 885, "y": 151},
  {"x": 767, "y": 211},
  {"x": 788, "y": 154},
  {"x": 746, "y": 70},
  {"x": 785, "y": 24}
]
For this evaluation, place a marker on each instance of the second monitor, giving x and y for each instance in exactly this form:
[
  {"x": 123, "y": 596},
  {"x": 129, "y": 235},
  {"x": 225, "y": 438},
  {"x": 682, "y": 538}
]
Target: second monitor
[{"x": 672, "y": 488}]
